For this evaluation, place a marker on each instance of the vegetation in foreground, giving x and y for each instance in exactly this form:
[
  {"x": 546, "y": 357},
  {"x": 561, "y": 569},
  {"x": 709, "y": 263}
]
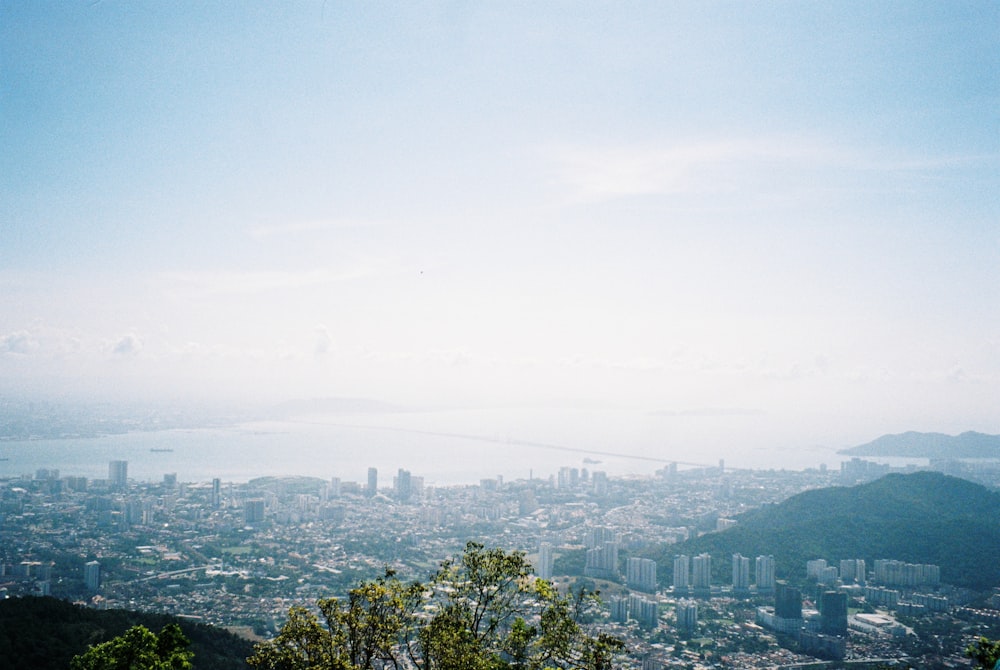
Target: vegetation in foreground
[
  {"x": 46, "y": 633},
  {"x": 483, "y": 611}
]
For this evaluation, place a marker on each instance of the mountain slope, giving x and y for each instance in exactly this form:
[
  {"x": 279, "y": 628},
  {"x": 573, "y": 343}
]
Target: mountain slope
[{"x": 924, "y": 517}]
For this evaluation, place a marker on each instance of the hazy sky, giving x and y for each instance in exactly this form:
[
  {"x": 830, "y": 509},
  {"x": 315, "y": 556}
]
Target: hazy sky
[{"x": 785, "y": 207}]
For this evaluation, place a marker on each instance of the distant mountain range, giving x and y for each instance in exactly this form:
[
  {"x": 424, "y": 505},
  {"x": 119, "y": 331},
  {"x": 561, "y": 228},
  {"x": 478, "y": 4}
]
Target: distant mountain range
[
  {"x": 930, "y": 445},
  {"x": 924, "y": 517}
]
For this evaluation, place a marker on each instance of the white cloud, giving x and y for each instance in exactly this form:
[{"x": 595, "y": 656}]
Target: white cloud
[
  {"x": 20, "y": 342},
  {"x": 127, "y": 345},
  {"x": 298, "y": 227},
  {"x": 323, "y": 341},
  {"x": 694, "y": 167},
  {"x": 223, "y": 282}
]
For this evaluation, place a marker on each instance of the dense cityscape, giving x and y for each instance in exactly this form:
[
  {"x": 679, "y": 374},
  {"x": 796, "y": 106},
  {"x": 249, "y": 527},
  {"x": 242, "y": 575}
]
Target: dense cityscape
[{"x": 239, "y": 555}]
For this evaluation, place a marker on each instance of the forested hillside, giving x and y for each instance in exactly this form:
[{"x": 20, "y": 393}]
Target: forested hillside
[
  {"x": 43, "y": 633},
  {"x": 924, "y": 517}
]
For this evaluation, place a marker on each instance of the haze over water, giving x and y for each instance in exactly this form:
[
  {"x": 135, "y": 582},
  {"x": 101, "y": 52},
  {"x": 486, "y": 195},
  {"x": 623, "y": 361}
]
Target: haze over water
[{"x": 443, "y": 447}]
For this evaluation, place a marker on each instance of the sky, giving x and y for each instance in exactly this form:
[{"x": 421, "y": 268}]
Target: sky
[{"x": 789, "y": 209}]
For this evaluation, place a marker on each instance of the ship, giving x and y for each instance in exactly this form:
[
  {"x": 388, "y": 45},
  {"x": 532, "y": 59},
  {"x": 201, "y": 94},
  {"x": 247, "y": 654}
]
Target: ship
[{"x": 160, "y": 449}]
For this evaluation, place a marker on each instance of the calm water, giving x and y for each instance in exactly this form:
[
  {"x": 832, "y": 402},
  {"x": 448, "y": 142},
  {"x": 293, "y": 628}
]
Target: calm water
[{"x": 443, "y": 447}]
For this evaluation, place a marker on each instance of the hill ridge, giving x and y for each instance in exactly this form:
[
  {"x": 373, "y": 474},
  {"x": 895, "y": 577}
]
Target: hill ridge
[
  {"x": 914, "y": 444},
  {"x": 921, "y": 517}
]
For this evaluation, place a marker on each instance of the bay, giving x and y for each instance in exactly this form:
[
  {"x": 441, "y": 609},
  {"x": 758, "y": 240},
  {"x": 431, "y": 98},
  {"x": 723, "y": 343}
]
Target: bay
[{"x": 444, "y": 447}]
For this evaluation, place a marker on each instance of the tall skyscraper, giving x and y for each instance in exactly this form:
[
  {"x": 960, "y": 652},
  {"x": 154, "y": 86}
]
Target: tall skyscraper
[
  {"x": 682, "y": 572},
  {"x": 600, "y": 483},
  {"x": 602, "y": 562},
  {"x": 741, "y": 573},
  {"x": 545, "y": 560},
  {"x": 118, "y": 474},
  {"x": 640, "y": 574},
  {"x": 853, "y": 570},
  {"x": 404, "y": 485},
  {"x": 764, "y": 573},
  {"x": 702, "y": 569},
  {"x": 833, "y": 611},
  {"x": 644, "y": 611},
  {"x": 687, "y": 614},
  {"x": 253, "y": 511},
  {"x": 372, "y": 482},
  {"x": 787, "y": 601},
  {"x": 92, "y": 575},
  {"x": 216, "y": 493}
]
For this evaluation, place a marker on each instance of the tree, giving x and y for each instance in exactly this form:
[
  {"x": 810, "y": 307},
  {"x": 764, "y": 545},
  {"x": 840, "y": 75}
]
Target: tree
[
  {"x": 372, "y": 629},
  {"x": 138, "y": 648},
  {"x": 984, "y": 652},
  {"x": 483, "y": 611}
]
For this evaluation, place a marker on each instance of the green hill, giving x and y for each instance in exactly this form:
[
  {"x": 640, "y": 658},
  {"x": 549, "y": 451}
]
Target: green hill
[
  {"x": 43, "y": 633},
  {"x": 924, "y": 517},
  {"x": 930, "y": 445}
]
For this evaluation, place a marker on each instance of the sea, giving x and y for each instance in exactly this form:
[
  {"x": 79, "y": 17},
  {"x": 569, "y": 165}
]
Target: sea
[{"x": 443, "y": 447}]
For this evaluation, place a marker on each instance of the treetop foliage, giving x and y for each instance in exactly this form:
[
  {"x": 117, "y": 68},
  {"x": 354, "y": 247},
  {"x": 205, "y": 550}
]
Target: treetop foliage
[
  {"x": 138, "y": 648},
  {"x": 482, "y": 611}
]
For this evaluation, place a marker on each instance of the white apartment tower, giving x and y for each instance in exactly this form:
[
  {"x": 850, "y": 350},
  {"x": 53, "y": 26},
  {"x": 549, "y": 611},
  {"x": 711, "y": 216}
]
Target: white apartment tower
[
  {"x": 641, "y": 574},
  {"x": 764, "y": 573},
  {"x": 544, "y": 567},
  {"x": 682, "y": 572},
  {"x": 118, "y": 474},
  {"x": 741, "y": 573},
  {"x": 702, "y": 569}
]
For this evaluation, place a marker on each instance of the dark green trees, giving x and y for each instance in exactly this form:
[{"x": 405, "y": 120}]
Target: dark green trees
[
  {"x": 483, "y": 611},
  {"x": 138, "y": 648},
  {"x": 985, "y": 653}
]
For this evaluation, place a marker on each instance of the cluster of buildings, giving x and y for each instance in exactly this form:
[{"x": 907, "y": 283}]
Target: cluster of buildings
[{"x": 240, "y": 554}]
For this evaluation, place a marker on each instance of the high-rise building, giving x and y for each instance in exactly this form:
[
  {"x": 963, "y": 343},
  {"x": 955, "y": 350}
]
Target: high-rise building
[
  {"x": 253, "y": 511},
  {"x": 898, "y": 573},
  {"x": 702, "y": 569},
  {"x": 741, "y": 573},
  {"x": 815, "y": 567},
  {"x": 334, "y": 490},
  {"x": 619, "y": 609},
  {"x": 646, "y": 612},
  {"x": 764, "y": 573},
  {"x": 787, "y": 601},
  {"x": 118, "y": 474},
  {"x": 404, "y": 486},
  {"x": 682, "y": 572},
  {"x": 833, "y": 611},
  {"x": 600, "y": 483},
  {"x": 372, "y": 482},
  {"x": 92, "y": 575},
  {"x": 597, "y": 536},
  {"x": 216, "y": 493},
  {"x": 640, "y": 573},
  {"x": 545, "y": 559},
  {"x": 602, "y": 562},
  {"x": 687, "y": 614},
  {"x": 527, "y": 503}
]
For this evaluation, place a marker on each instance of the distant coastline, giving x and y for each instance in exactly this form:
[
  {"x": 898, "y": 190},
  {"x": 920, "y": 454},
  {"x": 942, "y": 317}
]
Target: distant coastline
[{"x": 968, "y": 445}]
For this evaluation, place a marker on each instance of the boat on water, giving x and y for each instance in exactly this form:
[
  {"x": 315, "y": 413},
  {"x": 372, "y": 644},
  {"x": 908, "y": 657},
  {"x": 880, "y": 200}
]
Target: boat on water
[{"x": 160, "y": 449}]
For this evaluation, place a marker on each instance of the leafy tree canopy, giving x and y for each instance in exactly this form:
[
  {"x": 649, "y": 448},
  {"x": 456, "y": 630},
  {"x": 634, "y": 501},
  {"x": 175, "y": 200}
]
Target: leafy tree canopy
[
  {"x": 138, "y": 648},
  {"x": 482, "y": 611},
  {"x": 985, "y": 653}
]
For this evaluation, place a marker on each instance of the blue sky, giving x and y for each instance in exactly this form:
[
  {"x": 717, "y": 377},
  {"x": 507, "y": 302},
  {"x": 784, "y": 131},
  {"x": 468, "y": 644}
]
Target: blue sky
[{"x": 784, "y": 207}]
